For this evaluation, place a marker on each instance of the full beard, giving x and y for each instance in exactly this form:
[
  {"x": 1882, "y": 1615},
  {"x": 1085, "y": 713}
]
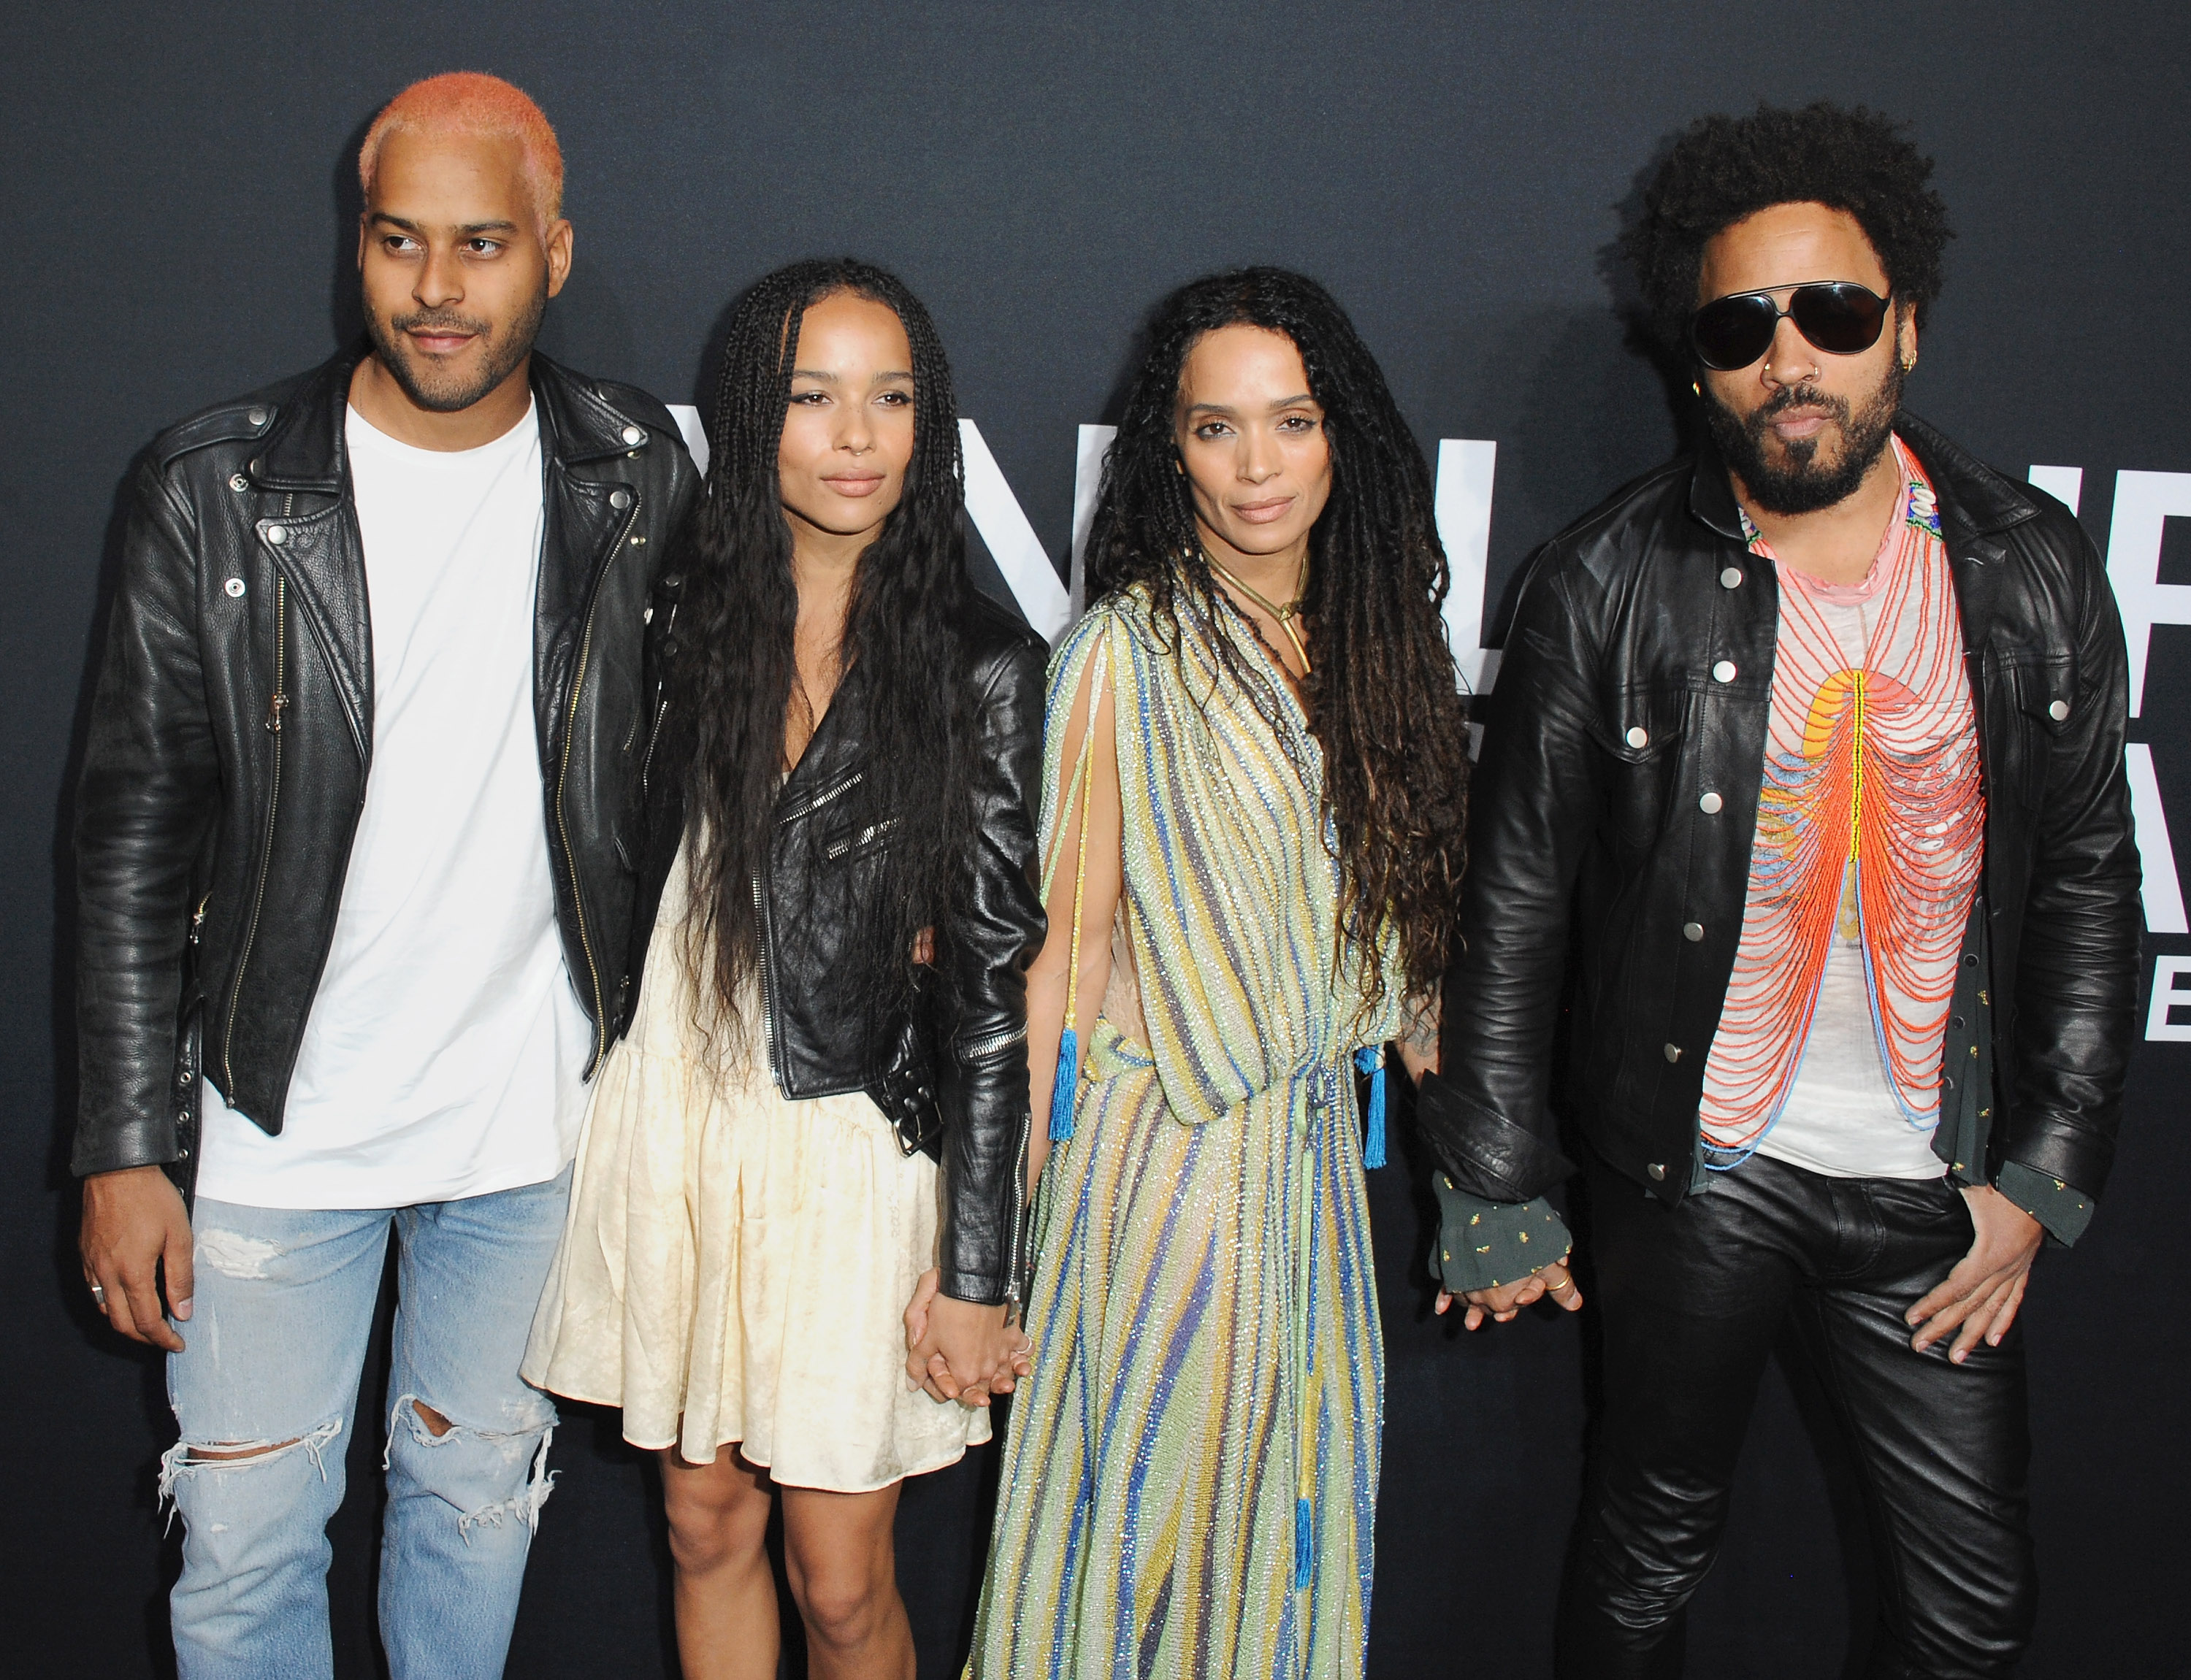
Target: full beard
[
  {"x": 441, "y": 390},
  {"x": 1798, "y": 483}
]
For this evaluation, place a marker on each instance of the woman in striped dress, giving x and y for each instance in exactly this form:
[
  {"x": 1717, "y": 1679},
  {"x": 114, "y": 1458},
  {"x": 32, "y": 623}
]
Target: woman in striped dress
[{"x": 1254, "y": 784}]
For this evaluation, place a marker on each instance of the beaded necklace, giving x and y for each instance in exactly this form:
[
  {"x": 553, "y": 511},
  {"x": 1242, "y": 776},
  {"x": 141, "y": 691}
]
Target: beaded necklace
[{"x": 1871, "y": 803}]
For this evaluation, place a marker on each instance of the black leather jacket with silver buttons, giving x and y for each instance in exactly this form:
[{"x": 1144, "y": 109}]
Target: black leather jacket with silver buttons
[
  {"x": 1615, "y": 804},
  {"x": 950, "y": 1076},
  {"x": 231, "y": 737}
]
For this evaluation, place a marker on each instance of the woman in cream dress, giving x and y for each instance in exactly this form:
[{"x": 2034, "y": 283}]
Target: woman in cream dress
[{"x": 821, "y": 1104}]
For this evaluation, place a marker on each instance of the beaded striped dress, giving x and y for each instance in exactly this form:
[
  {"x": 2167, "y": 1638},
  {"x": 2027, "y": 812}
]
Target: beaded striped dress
[{"x": 1190, "y": 1474}]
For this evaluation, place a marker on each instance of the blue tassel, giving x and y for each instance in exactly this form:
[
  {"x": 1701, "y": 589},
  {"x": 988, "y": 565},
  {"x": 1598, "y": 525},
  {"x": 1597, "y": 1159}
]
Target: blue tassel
[
  {"x": 1304, "y": 1546},
  {"x": 1371, "y": 1061},
  {"x": 1062, "y": 1093}
]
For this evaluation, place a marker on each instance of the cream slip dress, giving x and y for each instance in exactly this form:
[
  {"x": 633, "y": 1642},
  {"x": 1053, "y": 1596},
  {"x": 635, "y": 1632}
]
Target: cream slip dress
[{"x": 736, "y": 1265}]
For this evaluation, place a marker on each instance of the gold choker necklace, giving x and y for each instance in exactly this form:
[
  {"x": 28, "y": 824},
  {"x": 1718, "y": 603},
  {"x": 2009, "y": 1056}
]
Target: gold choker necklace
[{"x": 1285, "y": 615}]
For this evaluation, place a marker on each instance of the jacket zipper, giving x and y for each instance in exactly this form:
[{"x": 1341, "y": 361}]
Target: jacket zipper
[
  {"x": 653, "y": 735},
  {"x": 277, "y": 703},
  {"x": 661, "y": 709},
  {"x": 826, "y": 796},
  {"x": 767, "y": 932},
  {"x": 1015, "y": 1263},
  {"x": 570, "y": 857},
  {"x": 852, "y": 843},
  {"x": 562, "y": 781},
  {"x": 994, "y": 1042},
  {"x": 767, "y": 984}
]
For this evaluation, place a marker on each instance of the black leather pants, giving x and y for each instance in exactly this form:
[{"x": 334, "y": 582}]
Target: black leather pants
[{"x": 1693, "y": 1298}]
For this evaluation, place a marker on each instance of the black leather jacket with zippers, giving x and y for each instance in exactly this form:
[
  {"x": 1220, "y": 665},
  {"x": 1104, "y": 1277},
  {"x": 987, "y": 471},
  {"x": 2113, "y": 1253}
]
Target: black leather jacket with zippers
[
  {"x": 949, "y": 1072},
  {"x": 231, "y": 739}
]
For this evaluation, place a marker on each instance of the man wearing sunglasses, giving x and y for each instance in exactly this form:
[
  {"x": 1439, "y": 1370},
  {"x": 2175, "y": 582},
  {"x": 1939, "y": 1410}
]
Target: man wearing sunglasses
[{"x": 1809, "y": 747}]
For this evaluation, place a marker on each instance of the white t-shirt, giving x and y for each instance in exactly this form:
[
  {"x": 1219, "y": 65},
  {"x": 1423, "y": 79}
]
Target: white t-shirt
[
  {"x": 1841, "y": 1118},
  {"x": 444, "y": 1054}
]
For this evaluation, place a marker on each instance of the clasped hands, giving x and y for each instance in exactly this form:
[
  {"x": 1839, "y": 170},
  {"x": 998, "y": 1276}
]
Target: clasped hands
[
  {"x": 958, "y": 1350},
  {"x": 1502, "y": 1304}
]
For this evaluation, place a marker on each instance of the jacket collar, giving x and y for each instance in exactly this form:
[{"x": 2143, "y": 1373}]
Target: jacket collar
[
  {"x": 1975, "y": 501},
  {"x": 306, "y": 450}
]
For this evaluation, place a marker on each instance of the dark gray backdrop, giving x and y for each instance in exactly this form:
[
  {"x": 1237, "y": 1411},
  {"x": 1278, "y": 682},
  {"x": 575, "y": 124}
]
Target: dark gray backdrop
[{"x": 177, "y": 206}]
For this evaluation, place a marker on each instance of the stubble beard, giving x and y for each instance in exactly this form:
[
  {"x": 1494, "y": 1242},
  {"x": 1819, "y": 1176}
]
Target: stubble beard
[
  {"x": 439, "y": 391},
  {"x": 1797, "y": 483}
]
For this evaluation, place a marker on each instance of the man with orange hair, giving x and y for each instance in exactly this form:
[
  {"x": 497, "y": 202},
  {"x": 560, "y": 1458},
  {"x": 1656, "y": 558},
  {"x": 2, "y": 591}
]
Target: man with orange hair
[{"x": 355, "y": 906}]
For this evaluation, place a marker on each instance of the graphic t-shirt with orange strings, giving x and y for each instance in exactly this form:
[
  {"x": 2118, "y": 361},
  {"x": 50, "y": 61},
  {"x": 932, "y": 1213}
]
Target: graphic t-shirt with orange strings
[{"x": 1871, "y": 838}]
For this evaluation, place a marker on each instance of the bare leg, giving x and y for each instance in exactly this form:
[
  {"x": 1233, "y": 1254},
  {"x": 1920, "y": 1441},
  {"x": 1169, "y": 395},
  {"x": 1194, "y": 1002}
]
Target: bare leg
[
  {"x": 842, "y": 1563},
  {"x": 724, "y": 1592}
]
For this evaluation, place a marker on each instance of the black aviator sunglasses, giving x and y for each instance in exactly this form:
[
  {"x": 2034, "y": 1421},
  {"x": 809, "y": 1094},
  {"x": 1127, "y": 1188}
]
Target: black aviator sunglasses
[{"x": 1838, "y": 316}]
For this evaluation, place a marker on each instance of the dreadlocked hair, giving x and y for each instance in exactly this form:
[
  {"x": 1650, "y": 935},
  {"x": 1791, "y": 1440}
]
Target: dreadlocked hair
[
  {"x": 1383, "y": 697},
  {"x": 1723, "y": 169},
  {"x": 736, "y": 680}
]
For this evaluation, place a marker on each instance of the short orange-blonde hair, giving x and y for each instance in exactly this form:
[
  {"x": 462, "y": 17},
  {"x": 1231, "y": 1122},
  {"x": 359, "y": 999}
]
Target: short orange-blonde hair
[{"x": 465, "y": 102}]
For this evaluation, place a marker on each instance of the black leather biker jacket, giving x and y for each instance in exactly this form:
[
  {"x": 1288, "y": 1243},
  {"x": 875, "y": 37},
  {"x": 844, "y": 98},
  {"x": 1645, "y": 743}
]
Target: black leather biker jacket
[
  {"x": 1616, "y": 801},
  {"x": 231, "y": 737},
  {"x": 951, "y": 1071}
]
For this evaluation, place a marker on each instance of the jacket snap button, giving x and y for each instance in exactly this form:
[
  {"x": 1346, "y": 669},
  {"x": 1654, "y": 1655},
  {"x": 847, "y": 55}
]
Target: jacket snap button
[
  {"x": 1673, "y": 1053},
  {"x": 277, "y": 535},
  {"x": 2059, "y": 711},
  {"x": 619, "y": 499},
  {"x": 1950, "y": 1082},
  {"x": 1731, "y": 578},
  {"x": 1657, "y": 1169},
  {"x": 1711, "y": 804},
  {"x": 236, "y": 481},
  {"x": 1723, "y": 671},
  {"x": 1638, "y": 737},
  {"x": 1956, "y": 1022},
  {"x": 646, "y": 616},
  {"x": 1692, "y": 931},
  {"x": 633, "y": 434},
  {"x": 235, "y": 589},
  {"x": 257, "y": 417}
]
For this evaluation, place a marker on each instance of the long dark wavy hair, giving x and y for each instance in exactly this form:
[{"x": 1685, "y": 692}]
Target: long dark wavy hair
[
  {"x": 900, "y": 648},
  {"x": 1383, "y": 697}
]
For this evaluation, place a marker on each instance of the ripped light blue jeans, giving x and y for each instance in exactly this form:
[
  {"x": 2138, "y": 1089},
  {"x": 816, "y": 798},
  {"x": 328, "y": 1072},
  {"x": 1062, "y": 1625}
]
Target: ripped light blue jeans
[{"x": 275, "y": 1343}]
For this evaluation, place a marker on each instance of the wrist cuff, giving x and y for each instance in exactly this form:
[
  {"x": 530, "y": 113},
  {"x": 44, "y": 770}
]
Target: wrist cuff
[
  {"x": 1481, "y": 1245},
  {"x": 2063, "y": 1209}
]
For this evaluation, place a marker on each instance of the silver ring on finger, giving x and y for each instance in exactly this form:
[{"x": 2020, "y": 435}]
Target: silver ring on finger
[{"x": 99, "y": 1295}]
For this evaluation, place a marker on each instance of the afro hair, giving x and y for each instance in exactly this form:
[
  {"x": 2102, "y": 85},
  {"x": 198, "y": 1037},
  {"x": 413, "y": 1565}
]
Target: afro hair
[{"x": 1722, "y": 169}]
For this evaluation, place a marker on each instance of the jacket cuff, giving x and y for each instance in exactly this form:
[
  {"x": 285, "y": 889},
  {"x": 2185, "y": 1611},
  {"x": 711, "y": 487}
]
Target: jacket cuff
[
  {"x": 118, "y": 1149},
  {"x": 976, "y": 1288},
  {"x": 1485, "y": 1154},
  {"x": 1481, "y": 1244},
  {"x": 2063, "y": 1209}
]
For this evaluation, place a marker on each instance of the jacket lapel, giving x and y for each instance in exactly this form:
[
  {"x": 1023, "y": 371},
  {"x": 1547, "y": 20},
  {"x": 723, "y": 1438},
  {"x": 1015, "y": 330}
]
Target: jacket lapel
[
  {"x": 1976, "y": 504},
  {"x": 581, "y": 525},
  {"x": 322, "y": 554}
]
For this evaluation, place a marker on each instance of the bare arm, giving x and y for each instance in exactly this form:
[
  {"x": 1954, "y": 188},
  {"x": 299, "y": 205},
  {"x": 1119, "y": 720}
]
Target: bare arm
[
  {"x": 1048, "y": 981},
  {"x": 1047, "y": 986}
]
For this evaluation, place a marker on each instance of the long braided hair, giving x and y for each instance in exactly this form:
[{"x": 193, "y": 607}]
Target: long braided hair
[
  {"x": 1383, "y": 697},
  {"x": 899, "y": 658}
]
